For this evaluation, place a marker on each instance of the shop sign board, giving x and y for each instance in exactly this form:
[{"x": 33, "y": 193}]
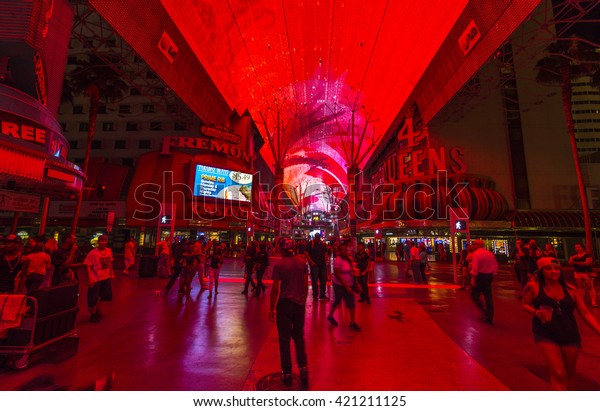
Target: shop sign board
[
  {"x": 110, "y": 220},
  {"x": 24, "y": 203},
  {"x": 89, "y": 209},
  {"x": 469, "y": 38}
]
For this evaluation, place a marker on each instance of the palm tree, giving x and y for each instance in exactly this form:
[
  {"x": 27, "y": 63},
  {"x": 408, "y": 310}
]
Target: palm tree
[
  {"x": 100, "y": 82},
  {"x": 567, "y": 60}
]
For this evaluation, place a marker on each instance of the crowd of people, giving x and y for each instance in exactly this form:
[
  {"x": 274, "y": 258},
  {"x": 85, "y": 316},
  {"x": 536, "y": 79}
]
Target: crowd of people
[
  {"x": 43, "y": 262},
  {"x": 185, "y": 259},
  {"x": 39, "y": 262}
]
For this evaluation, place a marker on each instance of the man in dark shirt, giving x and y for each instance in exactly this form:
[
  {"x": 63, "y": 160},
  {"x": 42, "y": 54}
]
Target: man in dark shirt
[
  {"x": 10, "y": 263},
  {"x": 63, "y": 259},
  {"x": 317, "y": 256},
  {"x": 363, "y": 260},
  {"x": 177, "y": 249},
  {"x": 288, "y": 295}
]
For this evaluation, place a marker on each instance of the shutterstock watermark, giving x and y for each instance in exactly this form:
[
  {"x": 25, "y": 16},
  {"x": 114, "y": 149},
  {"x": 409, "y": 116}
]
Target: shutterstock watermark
[{"x": 431, "y": 198}]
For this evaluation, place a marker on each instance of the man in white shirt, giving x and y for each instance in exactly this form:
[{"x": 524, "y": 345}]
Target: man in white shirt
[
  {"x": 483, "y": 268},
  {"x": 99, "y": 263}
]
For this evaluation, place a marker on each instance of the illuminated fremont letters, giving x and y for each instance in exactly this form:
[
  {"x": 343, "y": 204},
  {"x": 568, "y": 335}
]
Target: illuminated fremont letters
[{"x": 200, "y": 143}]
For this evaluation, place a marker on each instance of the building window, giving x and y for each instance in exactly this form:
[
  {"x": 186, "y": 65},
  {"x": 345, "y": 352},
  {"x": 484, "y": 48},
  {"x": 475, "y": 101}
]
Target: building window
[
  {"x": 159, "y": 91},
  {"x": 120, "y": 144},
  {"x": 72, "y": 60},
  {"x": 79, "y": 161},
  {"x": 124, "y": 109},
  {"x": 96, "y": 144},
  {"x": 155, "y": 126},
  {"x": 172, "y": 109},
  {"x": 84, "y": 126},
  {"x": 180, "y": 126},
  {"x": 77, "y": 109},
  {"x": 145, "y": 144},
  {"x": 137, "y": 59},
  {"x": 102, "y": 109},
  {"x": 111, "y": 42},
  {"x": 151, "y": 75},
  {"x": 134, "y": 91},
  {"x": 131, "y": 126},
  {"x": 73, "y": 144},
  {"x": 108, "y": 126},
  {"x": 127, "y": 162},
  {"x": 148, "y": 108},
  {"x": 63, "y": 127}
]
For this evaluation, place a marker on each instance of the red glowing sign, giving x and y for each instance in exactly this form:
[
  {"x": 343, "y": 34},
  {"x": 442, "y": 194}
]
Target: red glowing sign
[
  {"x": 26, "y": 130},
  {"x": 41, "y": 85},
  {"x": 167, "y": 47},
  {"x": 415, "y": 158},
  {"x": 469, "y": 38},
  {"x": 23, "y": 131}
]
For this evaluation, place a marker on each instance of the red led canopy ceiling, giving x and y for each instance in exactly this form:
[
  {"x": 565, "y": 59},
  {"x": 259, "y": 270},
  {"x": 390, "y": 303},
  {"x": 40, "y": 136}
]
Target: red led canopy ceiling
[
  {"x": 315, "y": 61},
  {"x": 317, "y": 71}
]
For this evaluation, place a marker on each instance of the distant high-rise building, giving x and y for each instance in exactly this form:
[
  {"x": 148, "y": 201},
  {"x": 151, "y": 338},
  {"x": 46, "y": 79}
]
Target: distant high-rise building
[{"x": 130, "y": 127}]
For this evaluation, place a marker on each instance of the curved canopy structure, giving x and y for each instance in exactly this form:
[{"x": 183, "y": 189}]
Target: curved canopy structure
[
  {"x": 326, "y": 77},
  {"x": 315, "y": 62}
]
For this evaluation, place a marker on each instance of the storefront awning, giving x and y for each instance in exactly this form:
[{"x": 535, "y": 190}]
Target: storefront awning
[{"x": 551, "y": 219}]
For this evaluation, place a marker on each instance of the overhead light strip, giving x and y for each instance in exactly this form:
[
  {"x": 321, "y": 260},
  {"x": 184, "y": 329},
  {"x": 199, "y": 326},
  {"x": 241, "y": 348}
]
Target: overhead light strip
[
  {"x": 247, "y": 51},
  {"x": 372, "y": 51}
]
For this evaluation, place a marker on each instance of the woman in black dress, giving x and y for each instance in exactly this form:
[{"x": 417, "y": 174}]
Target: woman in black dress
[{"x": 553, "y": 304}]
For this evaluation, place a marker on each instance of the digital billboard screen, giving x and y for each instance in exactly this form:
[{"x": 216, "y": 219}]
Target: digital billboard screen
[{"x": 220, "y": 183}]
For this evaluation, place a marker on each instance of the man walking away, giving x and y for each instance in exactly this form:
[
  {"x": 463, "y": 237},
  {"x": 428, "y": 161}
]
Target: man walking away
[
  {"x": 483, "y": 268},
  {"x": 288, "y": 295},
  {"x": 177, "y": 250},
  {"x": 317, "y": 256}
]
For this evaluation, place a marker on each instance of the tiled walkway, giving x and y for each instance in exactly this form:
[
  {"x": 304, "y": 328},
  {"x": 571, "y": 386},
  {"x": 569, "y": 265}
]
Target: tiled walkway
[{"x": 413, "y": 338}]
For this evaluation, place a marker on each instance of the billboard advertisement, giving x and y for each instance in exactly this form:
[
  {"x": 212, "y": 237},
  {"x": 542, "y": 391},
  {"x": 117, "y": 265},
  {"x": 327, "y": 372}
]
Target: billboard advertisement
[{"x": 220, "y": 183}]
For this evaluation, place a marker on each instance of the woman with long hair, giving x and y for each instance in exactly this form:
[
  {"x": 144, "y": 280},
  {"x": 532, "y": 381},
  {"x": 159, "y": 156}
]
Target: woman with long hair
[
  {"x": 553, "y": 303},
  {"x": 342, "y": 280}
]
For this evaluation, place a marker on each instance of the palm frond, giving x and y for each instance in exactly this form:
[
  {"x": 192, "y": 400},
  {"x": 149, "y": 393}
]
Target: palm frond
[{"x": 95, "y": 72}]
